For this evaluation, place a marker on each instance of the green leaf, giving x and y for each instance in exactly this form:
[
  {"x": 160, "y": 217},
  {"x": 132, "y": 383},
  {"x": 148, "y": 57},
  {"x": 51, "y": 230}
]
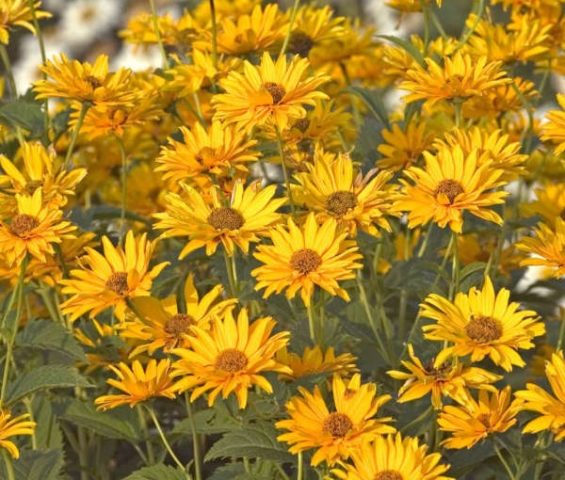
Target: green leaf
[
  {"x": 254, "y": 441},
  {"x": 44, "y": 378},
  {"x": 23, "y": 114},
  {"x": 374, "y": 101},
  {"x": 120, "y": 423},
  {"x": 157, "y": 472},
  {"x": 46, "y": 335},
  {"x": 47, "y": 431},
  {"x": 406, "y": 45},
  {"x": 38, "y": 465}
]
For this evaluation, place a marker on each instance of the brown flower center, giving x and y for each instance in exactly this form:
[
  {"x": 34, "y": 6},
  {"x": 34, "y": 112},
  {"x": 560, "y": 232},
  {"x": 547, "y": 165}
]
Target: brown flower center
[
  {"x": 118, "y": 283},
  {"x": 276, "y": 91},
  {"x": 450, "y": 188},
  {"x": 225, "y": 218},
  {"x": 178, "y": 324},
  {"x": 305, "y": 261},
  {"x": 339, "y": 203},
  {"x": 300, "y": 43},
  {"x": 93, "y": 81},
  {"x": 484, "y": 418},
  {"x": 22, "y": 224},
  {"x": 483, "y": 329},
  {"x": 337, "y": 424},
  {"x": 388, "y": 475},
  {"x": 231, "y": 361},
  {"x": 439, "y": 373},
  {"x": 302, "y": 124}
]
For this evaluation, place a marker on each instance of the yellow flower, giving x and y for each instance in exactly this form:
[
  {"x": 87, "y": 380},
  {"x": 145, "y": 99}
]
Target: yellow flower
[
  {"x": 482, "y": 323},
  {"x": 301, "y": 258},
  {"x": 109, "y": 280},
  {"x": 138, "y": 384},
  {"x": 410, "y": 5},
  {"x": 335, "y": 432},
  {"x": 549, "y": 203},
  {"x": 550, "y": 408},
  {"x": 333, "y": 189},
  {"x": 554, "y": 129},
  {"x": 315, "y": 361},
  {"x": 440, "y": 379},
  {"x": 472, "y": 420},
  {"x": 495, "y": 147},
  {"x": 10, "y": 427},
  {"x": 451, "y": 182},
  {"x": 230, "y": 358},
  {"x": 18, "y": 13},
  {"x": 207, "y": 223},
  {"x": 85, "y": 82},
  {"x": 140, "y": 30},
  {"x": 392, "y": 457},
  {"x": 403, "y": 147},
  {"x": 163, "y": 325},
  {"x": 215, "y": 151},
  {"x": 273, "y": 92},
  {"x": 40, "y": 169},
  {"x": 547, "y": 247},
  {"x": 33, "y": 229},
  {"x": 247, "y": 33},
  {"x": 460, "y": 78}
]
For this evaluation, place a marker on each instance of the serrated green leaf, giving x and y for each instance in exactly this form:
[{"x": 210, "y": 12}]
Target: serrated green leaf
[
  {"x": 47, "y": 432},
  {"x": 374, "y": 102},
  {"x": 38, "y": 465},
  {"x": 44, "y": 378},
  {"x": 120, "y": 423},
  {"x": 46, "y": 335},
  {"x": 23, "y": 114},
  {"x": 406, "y": 45},
  {"x": 157, "y": 472},
  {"x": 254, "y": 441}
]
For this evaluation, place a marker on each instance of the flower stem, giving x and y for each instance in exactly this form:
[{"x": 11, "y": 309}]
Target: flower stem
[
  {"x": 155, "y": 19},
  {"x": 300, "y": 472},
  {"x": 9, "y": 466},
  {"x": 290, "y": 26},
  {"x": 285, "y": 171},
  {"x": 195, "y": 441},
  {"x": 166, "y": 442},
  {"x": 9, "y": 72},
  {"x": 83, "y": 109},
  {"x": 148, "y": 445},
  {"x": 312, "y": 324},
  {"x": 504, "y": 462},
  {"x": 123, "y": 181},
  {"x": 231, "y": 277}
]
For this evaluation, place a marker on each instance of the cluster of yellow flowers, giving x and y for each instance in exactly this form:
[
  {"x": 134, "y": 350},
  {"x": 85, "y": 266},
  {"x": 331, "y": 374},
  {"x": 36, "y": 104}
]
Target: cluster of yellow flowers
[{"x": 163, "y": 224}]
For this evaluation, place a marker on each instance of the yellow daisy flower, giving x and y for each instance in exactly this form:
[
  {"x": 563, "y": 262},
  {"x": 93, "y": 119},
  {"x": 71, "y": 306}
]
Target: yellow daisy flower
[
  {"x": 40, "y": 169},
  {"x": 85, "y": 82},
  {"x": 138, "y": 384},
  {"x": 392, "y": 457},
  {"x": 301, "y": 258},
  {"x": 461, "y": 77},
  {"x": 549, "y": 203},
  {"x": 482, "y": 323},
  {"x": 163, "y": 326},
  {"x": 10, "y": 427},
  {"x": 451, "y": 182},
  {"x": 550, "y": 408},
  {"x": 554, "y": 129},
  {"x": 273, "y": 92},
  {"x": 230, "y": 358},
  {"x": 207, "y": 223},
  {"x": 215, "y": 151},
  {"x": 410, "y": 5},
  {"x": 314, "y": 361},
  {"x": 332, "y": 188},
  {"x": 109, "y": 280},
  {"x": 335, "y": 432},
  {"x": 33, "y": 229},
  {"x": 472, "y": 420},
  {"x": 18, "y": 13},
  {"x": 547, "y": 247},
  {"x": 440, "y": 379}
]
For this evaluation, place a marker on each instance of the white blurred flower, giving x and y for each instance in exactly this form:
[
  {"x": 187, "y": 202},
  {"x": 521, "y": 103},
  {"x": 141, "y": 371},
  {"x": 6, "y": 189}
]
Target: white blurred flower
[
  {"x": 136, "y": 58},
  {"x": 86, "y": 20},
  {"x": 387, "y": 19}
]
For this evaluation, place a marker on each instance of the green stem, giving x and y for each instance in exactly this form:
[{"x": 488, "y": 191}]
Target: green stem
[
  {"x": 29, "y": 407},
  {"x": 13, "y": 328},
  {"x": 300, "y": 472},
  {"x": 83, "y": 454},
  {"x": 9, "y": 72},
  {"x": 9, "y": 465},
  {"x": 123, "y": 181},
  {"x": 195, "y": 441},
  {"x": 83, "y": 109},
  {"x": 561, "y": 338},
  {"x": 454, "y": 286},
  {"x": 214, "y": 34},
  {"x": 231, "y": 279},
  {"x": 166, "y": 442},
  {"x": 145, "y": 431},
  {"x": 311, "y": 323},
  {"x": 290, "y": 26},
  {"x": 426, "y": 241},
  {"x": 285, "y": 171},
  {"x": 155, "y": 20},
  {"x": 503, "y": 462}
]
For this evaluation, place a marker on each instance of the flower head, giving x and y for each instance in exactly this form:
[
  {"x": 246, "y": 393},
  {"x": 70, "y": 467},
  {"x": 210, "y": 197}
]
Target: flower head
[
  {"x": 10, "y": 427},
  {"x": 547, "y": 247},
  {"x": 18, "y": 13}
]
